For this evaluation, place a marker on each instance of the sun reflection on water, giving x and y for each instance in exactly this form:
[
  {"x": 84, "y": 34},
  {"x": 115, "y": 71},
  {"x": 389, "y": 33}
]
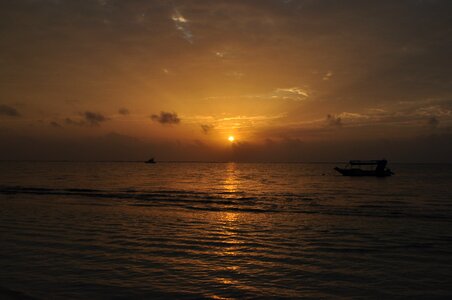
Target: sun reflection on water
[
  {"x": 231, "y": 181},
  {"x": 230, "y": 232}
]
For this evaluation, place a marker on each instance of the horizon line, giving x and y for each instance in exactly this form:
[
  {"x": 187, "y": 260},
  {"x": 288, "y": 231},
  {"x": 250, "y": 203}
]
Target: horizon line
[{"x": 201, "y": 161}]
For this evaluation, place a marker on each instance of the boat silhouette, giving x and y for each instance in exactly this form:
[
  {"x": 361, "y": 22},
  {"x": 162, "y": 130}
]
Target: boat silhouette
[
  {"x": 150, "y": 161},
  {"x": 353, "y": 168}
]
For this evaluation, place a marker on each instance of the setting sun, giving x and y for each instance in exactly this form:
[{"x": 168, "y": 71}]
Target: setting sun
[{"x": 231, "y": 138}]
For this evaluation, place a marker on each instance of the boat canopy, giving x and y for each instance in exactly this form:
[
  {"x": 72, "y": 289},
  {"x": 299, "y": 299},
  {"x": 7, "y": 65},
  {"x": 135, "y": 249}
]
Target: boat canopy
[{"x": 369, "y": 162}]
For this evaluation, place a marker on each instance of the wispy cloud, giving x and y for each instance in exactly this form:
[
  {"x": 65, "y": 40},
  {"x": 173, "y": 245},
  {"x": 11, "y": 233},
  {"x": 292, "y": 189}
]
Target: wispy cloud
[
  {"x": 438, "y": 110},
  {"x": 414, "y": 114},
  {"x": 353, "y": 115},
  {"x": 327, "y": 76},
  {"x": 9, "y": 111},
  {"x": 227, "y": 122},
  {"x": 166, "y": 118},
  {"x": 182, "y": 25},
  {"x": 220, "y": 54},
  {"x": 293, "y": 93}
]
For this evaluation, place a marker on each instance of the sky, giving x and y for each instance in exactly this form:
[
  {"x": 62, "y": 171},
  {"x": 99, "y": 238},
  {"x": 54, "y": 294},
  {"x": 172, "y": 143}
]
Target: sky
[{"x": 291, "y": 80}]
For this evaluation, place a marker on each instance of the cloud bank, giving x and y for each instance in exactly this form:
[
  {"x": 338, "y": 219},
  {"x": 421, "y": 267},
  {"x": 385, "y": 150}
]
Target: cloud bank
[
  {"x": 113, "y": 146},
  {"x": 8, "y": 111}
]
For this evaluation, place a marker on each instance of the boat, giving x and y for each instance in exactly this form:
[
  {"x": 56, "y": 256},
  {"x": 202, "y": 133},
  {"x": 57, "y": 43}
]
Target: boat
[
  {"x": 374, "y": 168},
  {"x": 150, "y": 161}
]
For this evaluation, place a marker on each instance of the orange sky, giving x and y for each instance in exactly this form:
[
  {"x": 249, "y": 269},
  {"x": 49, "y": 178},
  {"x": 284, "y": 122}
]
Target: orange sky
[{"x": 165, "y": 77}]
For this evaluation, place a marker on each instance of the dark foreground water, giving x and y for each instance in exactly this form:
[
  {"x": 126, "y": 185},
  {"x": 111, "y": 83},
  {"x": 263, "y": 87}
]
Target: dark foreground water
[{"x": 223, "y": 231}]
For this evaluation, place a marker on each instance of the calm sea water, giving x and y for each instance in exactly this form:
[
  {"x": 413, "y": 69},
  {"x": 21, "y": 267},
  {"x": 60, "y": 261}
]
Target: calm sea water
[{"x": 223, "y": 231}]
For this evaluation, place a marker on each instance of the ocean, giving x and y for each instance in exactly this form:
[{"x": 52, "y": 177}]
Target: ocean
[{"x": 120, "y": 230}]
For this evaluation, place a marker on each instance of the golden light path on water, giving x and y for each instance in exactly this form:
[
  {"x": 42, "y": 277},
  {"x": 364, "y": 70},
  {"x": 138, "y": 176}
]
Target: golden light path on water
[{"x": 230, "y": 232}]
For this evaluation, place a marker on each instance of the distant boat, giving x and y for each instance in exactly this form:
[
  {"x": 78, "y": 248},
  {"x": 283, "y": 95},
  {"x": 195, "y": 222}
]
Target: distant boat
[
  {"x": 353, "y": 168},
  {"x": 150, "y": 161}
]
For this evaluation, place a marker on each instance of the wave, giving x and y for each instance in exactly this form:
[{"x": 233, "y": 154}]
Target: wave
[
  {"x": 236, "y": 201},
  {"x": 175, "y": 196}
]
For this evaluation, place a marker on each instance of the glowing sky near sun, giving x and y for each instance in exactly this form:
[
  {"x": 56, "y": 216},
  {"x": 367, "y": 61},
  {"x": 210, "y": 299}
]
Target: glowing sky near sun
[{"x": 161, "y": 76}]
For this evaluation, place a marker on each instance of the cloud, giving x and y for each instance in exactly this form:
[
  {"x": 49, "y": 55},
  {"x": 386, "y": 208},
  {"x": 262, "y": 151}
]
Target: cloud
[
  {"x": 123, "y": 111},
  {"x": 9, "y": 111},
  {"x": 333, "y": 121},
  {"x": 55, "y": 124},
  {"x": 207, "y": 128},
  {"x": 437, "y": 109},
  {"x": 293, "y": 93},
  {"x": 220, "y": 54},
  {"x": 166, "y": 118},
  {"x": 353, "y": 115},
  {"x": 181, "y": 25},
  {"x": 327, "y": 76},
  {"x": 94, "y": 118}
]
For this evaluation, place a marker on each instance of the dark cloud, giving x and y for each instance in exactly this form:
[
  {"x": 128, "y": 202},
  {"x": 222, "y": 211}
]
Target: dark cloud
[
  {"x": 89, "y": 118},
  {"x": 55, "y": 124},
  {"x": 94, "y": 118},
  {"x": 207, "y": 128},
  {"x": 333, "y": 121},
  {"x": 9, "y": 111},
  {"x": 166, "y": 118},
  {"x": 123, "y": 111}
]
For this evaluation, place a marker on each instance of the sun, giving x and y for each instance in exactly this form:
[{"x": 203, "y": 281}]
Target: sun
[{"x": 231, "y": 138}]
